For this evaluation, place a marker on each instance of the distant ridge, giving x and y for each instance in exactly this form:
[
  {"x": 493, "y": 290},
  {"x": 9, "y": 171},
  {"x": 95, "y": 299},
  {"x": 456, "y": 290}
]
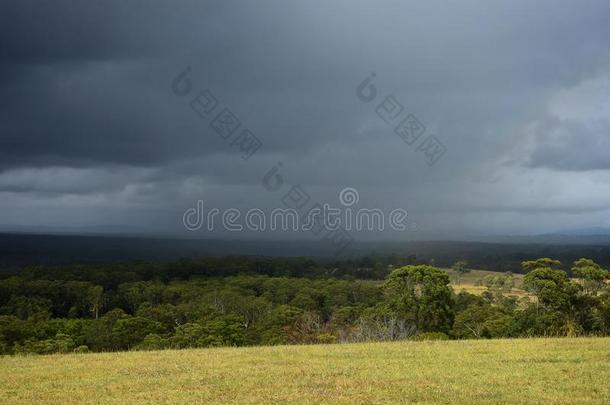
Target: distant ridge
[{"x": 498, "y": 254}]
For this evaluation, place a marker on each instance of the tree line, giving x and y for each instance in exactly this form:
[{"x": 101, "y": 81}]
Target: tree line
[{"x": 240, "y": 301}]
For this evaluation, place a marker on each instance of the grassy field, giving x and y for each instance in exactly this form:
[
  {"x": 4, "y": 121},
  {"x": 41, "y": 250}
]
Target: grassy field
[
  {"x": 468, "y": 282},
  {"x": 562, "y": 370}
]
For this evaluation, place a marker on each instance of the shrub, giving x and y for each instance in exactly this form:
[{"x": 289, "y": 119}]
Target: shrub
[
  {"x": 326, "y": 338},
  {"x": 432, "y": 336}
]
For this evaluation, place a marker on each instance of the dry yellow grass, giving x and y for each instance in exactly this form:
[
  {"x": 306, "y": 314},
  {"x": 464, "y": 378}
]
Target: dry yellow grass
[
  {"x": 468, "y": 283},
  {"x": 479, "y": 289},
  {"x": 561, "y": 370},
  {"x": 475, "y": 275}
]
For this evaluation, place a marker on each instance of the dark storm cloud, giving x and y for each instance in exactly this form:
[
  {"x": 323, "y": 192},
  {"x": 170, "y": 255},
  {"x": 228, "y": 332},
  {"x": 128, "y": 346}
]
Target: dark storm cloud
[
  {"x": 86, "y": 107},
  {"x": 570, "y": 145},
  {"x": 90, "y": 85},
  {"x": 65, "y": 30},
  {"x": 82, "y": 83}
]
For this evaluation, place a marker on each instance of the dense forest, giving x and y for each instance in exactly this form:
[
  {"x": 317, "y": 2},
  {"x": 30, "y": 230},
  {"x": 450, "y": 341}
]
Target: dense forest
[{"x": 238, "y": 301}]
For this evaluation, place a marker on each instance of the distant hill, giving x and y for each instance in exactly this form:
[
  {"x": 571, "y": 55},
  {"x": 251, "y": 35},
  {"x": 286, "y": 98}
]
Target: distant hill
[
  {"x": 599, "y": 231},
  {"x": 567, "y": 238},
  {"x": 17, "y": 250}
]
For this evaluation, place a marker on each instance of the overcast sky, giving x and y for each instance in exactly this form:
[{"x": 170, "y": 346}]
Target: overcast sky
[{"x": 518, "y": 92}]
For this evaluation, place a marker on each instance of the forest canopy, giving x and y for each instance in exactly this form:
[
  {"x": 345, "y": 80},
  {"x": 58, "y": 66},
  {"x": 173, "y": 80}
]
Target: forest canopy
[{"x": 239, "y": 301}]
